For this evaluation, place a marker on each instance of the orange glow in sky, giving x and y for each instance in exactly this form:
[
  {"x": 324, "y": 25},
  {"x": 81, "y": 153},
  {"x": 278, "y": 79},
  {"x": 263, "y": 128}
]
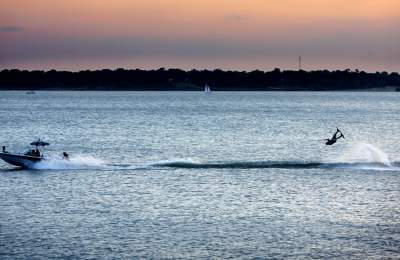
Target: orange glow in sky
[{"x": 227, "y": 34}]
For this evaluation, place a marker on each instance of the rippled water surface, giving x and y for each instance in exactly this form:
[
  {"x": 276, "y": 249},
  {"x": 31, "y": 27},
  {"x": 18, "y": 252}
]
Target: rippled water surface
[{"x": 195, "y": 175}]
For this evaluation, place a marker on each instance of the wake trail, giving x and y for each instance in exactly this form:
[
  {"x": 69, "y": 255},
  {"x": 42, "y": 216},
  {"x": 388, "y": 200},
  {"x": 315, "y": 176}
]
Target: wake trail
[
  {"x": 360, "y": 156},
  {"x": 277, "y": 165}
]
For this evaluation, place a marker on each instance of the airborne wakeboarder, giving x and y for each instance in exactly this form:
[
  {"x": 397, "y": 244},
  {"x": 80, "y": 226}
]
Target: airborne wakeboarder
[{"x": 335, "y": 137}]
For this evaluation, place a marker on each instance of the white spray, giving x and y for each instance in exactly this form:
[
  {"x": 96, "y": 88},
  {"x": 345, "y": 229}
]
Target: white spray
[
  {"x": 365, "y": 153},
  {"x": 74, "y": 162}
]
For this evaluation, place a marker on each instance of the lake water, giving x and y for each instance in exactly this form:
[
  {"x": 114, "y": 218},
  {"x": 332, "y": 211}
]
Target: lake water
[{"x": 195, "y": 175}]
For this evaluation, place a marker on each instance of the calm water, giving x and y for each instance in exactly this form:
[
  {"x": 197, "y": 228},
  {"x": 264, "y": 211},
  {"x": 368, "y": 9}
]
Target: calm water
[{"x": 195, "y": 175}]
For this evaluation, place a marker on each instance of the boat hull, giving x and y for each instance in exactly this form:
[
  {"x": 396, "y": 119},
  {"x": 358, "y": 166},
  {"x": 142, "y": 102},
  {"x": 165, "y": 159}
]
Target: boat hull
[{"x": 20, "y": 160}]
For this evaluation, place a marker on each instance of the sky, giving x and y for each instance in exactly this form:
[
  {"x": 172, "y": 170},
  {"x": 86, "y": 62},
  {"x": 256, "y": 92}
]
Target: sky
[{"x": 200, "y": 34}]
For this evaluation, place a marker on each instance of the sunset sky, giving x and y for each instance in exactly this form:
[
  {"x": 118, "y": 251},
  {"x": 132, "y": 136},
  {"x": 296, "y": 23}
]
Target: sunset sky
[{"x": 201, "y": 34}]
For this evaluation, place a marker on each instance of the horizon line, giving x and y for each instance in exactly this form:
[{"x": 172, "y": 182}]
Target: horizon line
[{"x": 202, "y": 69}]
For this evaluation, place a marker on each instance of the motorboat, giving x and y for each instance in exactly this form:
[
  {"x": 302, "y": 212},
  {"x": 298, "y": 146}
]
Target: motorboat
[{"x": 27, "y": 159}]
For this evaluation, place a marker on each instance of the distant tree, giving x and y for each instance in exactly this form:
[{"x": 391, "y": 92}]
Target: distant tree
[{"x": 174, "y": 79}]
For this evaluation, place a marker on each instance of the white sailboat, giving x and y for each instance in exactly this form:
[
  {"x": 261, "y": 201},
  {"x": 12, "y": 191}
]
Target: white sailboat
[{"x": 207, "y": 88}]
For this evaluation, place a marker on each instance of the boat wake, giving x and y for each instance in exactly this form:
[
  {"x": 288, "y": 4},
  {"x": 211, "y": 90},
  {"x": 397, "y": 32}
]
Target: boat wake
[
  {"x": 277, "y": 165},
  {"x": 74, "y": 162},
  {"x": 359, "y": 157}
]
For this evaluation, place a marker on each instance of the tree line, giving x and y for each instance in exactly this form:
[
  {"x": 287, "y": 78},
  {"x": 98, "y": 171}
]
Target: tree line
[{"x": 177, "y": 79}]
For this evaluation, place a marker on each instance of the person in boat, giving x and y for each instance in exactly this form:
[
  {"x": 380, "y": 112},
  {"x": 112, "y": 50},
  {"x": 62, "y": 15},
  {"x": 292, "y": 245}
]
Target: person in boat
[
  {"x": 4, "y": 149},
  {"x": 33, "y": 152},
  {"x": 335, "y": 137}
]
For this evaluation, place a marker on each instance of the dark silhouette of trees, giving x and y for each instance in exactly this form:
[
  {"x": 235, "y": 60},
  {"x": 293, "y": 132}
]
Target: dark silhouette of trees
[{"x": 176, "y": 79}]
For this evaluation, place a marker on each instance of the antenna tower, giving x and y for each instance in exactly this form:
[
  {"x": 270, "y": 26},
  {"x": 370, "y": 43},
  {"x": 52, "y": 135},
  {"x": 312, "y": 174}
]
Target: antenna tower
[{"x": 300, "y": 63}]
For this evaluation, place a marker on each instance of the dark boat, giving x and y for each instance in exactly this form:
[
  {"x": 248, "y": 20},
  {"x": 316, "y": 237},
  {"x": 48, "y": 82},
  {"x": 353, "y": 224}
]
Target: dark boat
[
  {"x": 20, "y": 160},
  {"x": 27, "y": 159}
]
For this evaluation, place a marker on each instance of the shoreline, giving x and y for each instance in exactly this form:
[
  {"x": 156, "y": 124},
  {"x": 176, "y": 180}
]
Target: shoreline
[
  {"x": 196, "y": 80},
  {"x": 385, "y": 89}
]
